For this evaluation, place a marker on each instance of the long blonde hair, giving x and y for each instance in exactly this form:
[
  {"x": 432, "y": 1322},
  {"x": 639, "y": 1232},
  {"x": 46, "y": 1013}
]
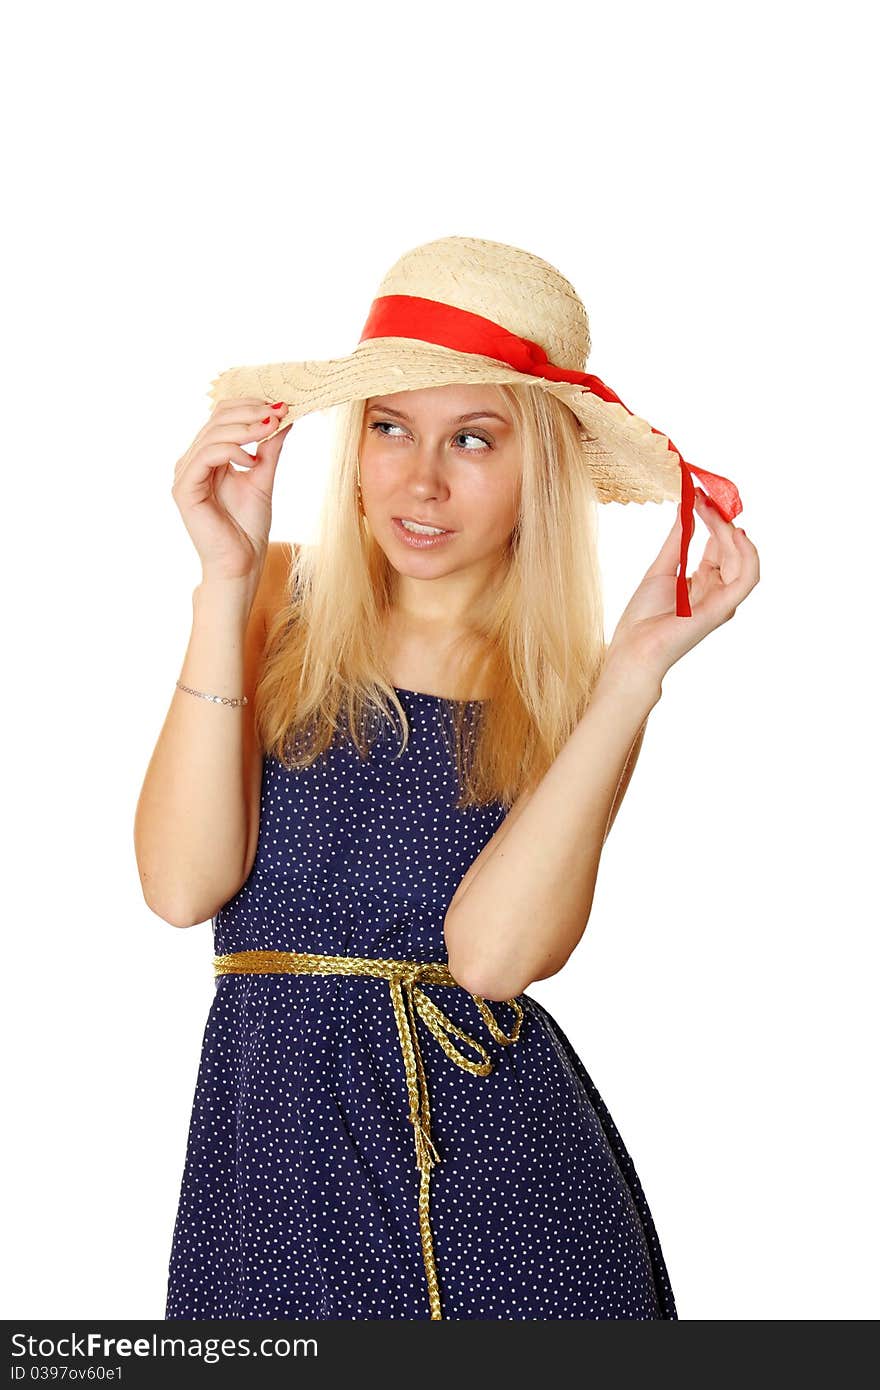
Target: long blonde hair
[{"x": 536, "y": 638}]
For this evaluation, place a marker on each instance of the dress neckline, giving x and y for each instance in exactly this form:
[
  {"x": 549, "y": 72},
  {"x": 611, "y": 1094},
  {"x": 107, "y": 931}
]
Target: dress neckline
[{"x": 425, "y": 695}]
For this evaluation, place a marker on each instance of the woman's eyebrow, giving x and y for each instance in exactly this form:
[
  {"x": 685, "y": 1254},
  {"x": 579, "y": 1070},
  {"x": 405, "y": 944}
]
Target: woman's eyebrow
[{"x": 457, "y": 420}]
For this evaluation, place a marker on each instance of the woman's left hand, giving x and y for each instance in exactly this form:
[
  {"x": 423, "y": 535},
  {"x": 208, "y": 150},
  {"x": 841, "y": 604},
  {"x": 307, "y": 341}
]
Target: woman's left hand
[{"x": 649, "y": 632}]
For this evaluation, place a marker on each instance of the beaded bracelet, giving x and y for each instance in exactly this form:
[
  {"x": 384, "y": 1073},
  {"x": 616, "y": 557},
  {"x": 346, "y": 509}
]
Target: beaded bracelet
[{"x": 215, "y": 699}]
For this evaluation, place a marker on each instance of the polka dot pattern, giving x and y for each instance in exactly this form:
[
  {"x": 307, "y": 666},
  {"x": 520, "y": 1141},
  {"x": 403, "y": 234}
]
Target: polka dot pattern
[{"x": 299, "y": 1195}]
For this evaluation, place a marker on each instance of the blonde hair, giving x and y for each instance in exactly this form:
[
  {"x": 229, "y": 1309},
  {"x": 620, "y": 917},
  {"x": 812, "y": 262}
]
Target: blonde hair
[{"x": 536, "y": 638}]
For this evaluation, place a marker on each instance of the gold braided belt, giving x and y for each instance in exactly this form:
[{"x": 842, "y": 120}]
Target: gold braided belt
[{"x": 406, "y": 996}]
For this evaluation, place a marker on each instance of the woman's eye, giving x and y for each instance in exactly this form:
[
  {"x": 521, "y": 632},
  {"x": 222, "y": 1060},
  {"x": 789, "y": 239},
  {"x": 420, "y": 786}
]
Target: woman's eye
[
  {"x": 378, "y": 425},
  {"x": 391, "y": 425},
  {"x": 466, "y": 434}
]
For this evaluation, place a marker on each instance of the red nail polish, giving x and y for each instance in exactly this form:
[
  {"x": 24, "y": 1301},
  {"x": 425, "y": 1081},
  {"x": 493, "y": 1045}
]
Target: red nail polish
[
  {"x": 266, "y": 421},
  {"x": 276, "y": 405}
]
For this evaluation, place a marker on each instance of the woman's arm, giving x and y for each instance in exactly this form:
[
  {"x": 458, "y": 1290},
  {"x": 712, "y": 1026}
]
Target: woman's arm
[
  {"x": 521, "y": 913},
  {"x": 522, "y": 801},
  {"x": 525, "y": 901},
  {"x": 197, "y": 820}
]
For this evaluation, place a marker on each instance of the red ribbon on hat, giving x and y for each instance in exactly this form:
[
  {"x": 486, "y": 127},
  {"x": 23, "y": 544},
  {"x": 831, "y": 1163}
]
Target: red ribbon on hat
[{"x": 410, "y": 316}]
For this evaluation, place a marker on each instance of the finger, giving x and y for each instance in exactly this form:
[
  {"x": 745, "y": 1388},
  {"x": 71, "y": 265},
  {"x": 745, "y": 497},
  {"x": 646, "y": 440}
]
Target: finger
[
  {"x": 266, "y": 457},
  {"x": 722, "y": 587},
  {"x": 247, "y": 411},
  {"x": 722, "y": 530},
  {"x": 212, "y": 458},
  {"x": 751, "y": 561},
  {"x": 710, "y": 515},
  {"x": 717, "y": 563},
  {"x": 666, "y": 562},
  {"x": 239, "y": 431},
  {"x": 227, "y": 402},
  {"x": 283, "y": 423}
]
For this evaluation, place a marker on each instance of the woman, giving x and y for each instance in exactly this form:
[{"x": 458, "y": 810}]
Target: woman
[{"x": 380, "y": 896}]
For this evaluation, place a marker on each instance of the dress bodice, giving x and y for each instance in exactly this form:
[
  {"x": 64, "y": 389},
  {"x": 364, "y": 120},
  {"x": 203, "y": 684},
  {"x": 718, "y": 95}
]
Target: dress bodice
[{"x": 361, "y": 856}]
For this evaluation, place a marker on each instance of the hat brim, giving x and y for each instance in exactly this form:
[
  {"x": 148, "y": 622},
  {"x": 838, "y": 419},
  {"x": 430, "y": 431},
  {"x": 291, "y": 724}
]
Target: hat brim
[{"x": 628, "y": 460}]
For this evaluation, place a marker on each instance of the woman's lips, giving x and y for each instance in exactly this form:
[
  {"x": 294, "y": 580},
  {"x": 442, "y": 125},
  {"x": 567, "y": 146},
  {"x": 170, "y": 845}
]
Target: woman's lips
[{"x": 417, "y": 541}]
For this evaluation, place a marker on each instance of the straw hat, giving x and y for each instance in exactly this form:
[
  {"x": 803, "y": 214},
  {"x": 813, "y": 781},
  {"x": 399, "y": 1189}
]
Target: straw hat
[{"x": 462, "y": 310}]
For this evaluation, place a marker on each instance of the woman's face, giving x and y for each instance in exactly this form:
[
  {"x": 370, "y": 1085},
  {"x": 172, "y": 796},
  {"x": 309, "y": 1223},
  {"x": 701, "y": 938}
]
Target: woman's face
[{"x": 421, "y": 461}]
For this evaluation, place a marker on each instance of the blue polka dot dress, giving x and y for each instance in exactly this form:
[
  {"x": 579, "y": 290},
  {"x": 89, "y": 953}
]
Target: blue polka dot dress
[{"x": 300, "y": 1190}]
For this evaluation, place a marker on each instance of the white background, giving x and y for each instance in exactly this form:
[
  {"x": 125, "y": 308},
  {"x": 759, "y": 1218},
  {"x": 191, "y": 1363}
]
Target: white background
[{"x": 193, "y": 187}]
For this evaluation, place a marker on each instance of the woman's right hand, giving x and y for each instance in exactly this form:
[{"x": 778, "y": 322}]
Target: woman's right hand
[{"x": 227, "y": 513}]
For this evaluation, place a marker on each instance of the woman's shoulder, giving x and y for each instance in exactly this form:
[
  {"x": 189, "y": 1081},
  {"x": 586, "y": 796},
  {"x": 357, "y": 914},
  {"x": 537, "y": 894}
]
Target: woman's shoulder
[
  {"x": 281, "y": 552},
  {"x": 279, "y": 558}
]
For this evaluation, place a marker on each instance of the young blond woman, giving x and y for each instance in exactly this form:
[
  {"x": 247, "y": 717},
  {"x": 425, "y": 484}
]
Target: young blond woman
[{"x": 389, "y": 768}]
